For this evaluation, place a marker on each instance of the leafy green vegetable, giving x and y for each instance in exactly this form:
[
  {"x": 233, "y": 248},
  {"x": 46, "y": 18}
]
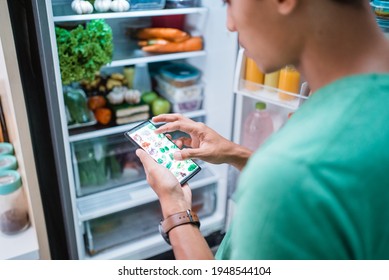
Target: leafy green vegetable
[{"x": 84, "y": 50}]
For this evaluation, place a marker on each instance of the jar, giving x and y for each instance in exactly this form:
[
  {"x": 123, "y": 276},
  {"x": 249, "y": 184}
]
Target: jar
[
  {"x": 253, "y": 74},
  {"x": 289, "y": 82},
  {"x": 13, "y": 206},
  {"x": 6, "y": 148},
  {"x": 8, "y": 162},
  {"x": 380, "y": 8}
]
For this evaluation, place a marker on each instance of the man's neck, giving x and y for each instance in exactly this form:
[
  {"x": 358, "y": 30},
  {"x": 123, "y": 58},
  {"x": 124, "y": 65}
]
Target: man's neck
[{"x": 343, "y": 49}]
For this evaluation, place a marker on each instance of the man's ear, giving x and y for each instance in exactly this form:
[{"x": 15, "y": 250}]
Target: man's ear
[{"x": 286, "y": 7}]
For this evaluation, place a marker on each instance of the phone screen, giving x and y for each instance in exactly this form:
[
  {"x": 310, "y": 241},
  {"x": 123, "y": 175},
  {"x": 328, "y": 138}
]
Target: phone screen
[{"x": 161, "y": 149}]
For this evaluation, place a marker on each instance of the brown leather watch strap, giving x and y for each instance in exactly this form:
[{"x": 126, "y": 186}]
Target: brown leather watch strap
[{"x": 181, "y": 218}]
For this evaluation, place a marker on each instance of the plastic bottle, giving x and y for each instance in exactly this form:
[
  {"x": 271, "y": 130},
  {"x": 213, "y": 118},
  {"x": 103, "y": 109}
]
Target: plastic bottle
[
  {"x": 257, "y": 127},
  {"x": 289, "y": 82},
  {"x": 142, "y": 81},
  {"x": 271, "y": 79},
  {"x": 253, "y": 75}
]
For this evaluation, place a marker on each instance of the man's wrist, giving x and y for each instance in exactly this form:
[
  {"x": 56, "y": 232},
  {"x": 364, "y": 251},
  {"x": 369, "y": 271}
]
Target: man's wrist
[{"x": 238, "y": 155}]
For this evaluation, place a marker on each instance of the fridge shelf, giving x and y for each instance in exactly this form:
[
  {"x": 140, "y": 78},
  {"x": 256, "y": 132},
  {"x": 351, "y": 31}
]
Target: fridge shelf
[
  {"x": 132, "y": 195},
  {"x": 63, "y": 13},
  {"x": 99, "y": 130},
  {"x": 271, "y": 95},
  {"x": 131, "y": 57}
]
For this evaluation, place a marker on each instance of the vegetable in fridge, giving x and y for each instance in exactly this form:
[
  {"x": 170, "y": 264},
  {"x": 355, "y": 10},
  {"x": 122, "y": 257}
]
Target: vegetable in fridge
[
  {"x": 76, "y": 102},
  {"x": 83, "y": 50}
]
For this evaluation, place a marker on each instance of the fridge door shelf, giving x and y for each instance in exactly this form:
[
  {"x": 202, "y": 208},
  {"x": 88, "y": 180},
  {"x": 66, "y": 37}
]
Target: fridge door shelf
[
  {"x": 131, "y": 195},
  {"x": 271, "y": 95},
  {"x": 265, "y": 93},
  {"x": 139, "y": 222}
]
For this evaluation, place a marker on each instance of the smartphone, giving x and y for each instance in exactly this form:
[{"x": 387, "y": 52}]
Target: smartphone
[{"x": 161, "y": 149}]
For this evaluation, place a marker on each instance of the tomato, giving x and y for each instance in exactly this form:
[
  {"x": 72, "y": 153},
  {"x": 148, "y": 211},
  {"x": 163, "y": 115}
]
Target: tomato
[
  {"x": 103, "y": 115},
  {"x": 95, "y": 102}
]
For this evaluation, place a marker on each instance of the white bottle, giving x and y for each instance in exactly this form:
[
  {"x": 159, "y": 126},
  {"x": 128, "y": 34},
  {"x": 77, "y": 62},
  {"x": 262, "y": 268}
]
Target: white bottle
[
  {"x": 257, "y": 127},
  {"x": 142, "y": 81}
]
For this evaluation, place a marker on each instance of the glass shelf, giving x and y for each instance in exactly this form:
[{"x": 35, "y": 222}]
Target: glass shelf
[
  {"x": 126, "y": 53},
  {"x": 63, "y": 13},
  {"x": 100, "y": 130}
]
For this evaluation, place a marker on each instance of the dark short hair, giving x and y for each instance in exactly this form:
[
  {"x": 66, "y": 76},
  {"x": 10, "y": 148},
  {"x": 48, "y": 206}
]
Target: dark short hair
[{"x": 350, "y": 2}]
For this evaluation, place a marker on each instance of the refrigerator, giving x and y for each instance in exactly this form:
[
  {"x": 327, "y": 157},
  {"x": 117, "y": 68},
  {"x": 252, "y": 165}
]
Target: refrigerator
[
  {"x": 116, "y": 215},
  {"x": 30, "y": 242}
]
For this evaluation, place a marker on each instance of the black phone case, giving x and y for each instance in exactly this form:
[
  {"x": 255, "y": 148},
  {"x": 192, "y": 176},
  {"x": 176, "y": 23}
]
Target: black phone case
[{"x": 137, "y": 127}]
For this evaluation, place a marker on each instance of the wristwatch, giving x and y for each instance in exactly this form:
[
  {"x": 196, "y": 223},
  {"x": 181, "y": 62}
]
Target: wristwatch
[{"x": 180, "y": 218}]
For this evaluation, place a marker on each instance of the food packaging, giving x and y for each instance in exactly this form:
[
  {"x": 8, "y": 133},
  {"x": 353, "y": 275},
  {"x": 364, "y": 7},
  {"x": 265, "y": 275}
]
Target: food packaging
[
  {"x": 180, "y": 74},
  {"x": 174, "y": 4},
  {"x": 141, "y": 5},
  {"x": 380, "y": 8}
]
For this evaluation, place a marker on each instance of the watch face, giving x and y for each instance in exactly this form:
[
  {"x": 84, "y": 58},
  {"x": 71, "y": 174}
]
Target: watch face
[{"x": 163, "y": 234}]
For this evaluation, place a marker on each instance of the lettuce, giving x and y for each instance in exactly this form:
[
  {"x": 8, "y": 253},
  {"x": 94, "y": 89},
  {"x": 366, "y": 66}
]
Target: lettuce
[{"x": 84, "y": 50}]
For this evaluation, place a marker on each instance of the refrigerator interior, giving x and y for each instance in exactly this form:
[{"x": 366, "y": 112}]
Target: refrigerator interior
[{"x": 114, "y": 202}]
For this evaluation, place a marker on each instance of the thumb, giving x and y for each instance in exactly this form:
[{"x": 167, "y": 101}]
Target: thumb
[
  {"x": 145, "y": 158},
  {"x": 186, "y": 154}
]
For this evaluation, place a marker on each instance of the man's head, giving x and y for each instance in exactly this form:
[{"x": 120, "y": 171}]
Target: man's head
[{"x": 277, "y": 32}]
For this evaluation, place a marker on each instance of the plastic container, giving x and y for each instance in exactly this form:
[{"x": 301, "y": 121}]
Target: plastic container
[
  {"x": 138, "y": 222},
  {"x": 180, "y": 74},
  {"x": 183, "y": 105},
  {"x": 174, "y": 4},
  {"x": 141, "y": 5},
  {"x": 8, "y": 162},
  {"x": 380, "y": 8},
  {"x": 6, "y": 148},
  {"x": 253, "y": 74},
  {"x": 178, "y": 93},
  {"x": 187, "y": 105},
  {"x": 142, "y": 80},
  {"x": 257, "y": 127},
  {"x": 383, "y": 24},
  {"x": 104, "y": 163},
  {"x": 289, "y": 82},
  {"x": 13, "y": 206},
  {"x": 272, "y": 79}
]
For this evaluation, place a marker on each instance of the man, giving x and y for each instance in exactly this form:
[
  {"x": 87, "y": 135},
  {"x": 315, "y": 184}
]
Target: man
[{"x": 318, "y": 188}]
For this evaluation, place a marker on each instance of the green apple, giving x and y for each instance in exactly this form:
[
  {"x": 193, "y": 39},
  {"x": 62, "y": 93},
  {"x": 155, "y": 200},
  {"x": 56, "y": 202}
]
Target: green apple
[
  {"x": 160, "y": 106},
  {"x": 149, "y": 97}
]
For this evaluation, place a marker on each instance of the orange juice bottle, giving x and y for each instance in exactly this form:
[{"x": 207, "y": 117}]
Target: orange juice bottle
[
  {"x": 252, "y": 74},
  {"x": 272, "y": 79},
  {"x": 289, "y": 81}
]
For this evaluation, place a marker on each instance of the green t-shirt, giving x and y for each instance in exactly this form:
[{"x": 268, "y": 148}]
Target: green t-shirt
[{"x": 319, "y": 188}]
